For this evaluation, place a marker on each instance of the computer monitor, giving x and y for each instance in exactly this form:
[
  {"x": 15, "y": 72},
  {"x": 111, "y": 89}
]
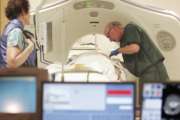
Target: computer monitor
[
  {"x": 20, "y": 97},
  {"x": 88, "y": 101},
  {"x": 161, "y": 101}
]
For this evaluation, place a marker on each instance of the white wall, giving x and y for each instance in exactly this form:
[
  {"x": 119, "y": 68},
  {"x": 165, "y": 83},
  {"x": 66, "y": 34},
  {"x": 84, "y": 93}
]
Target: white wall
[
  {"x": 172, "y": 5},
  {"x": 34, "y": 3},
  {"x": 166, "y": 4}
]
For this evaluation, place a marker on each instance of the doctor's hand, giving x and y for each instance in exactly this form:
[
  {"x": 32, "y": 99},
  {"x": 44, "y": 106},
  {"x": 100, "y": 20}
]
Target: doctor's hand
[{"x": 114, "y": 52}]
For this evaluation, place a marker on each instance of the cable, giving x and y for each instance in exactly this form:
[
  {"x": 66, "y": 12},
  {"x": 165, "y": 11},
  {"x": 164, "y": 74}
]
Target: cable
[
  {"x": 35, "y": 32},
  {"x": 42, "y": 56}
]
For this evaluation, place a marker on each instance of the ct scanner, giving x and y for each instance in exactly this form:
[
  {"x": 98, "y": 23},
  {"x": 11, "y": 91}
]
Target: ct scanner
[{"x": 71, "y": 42}]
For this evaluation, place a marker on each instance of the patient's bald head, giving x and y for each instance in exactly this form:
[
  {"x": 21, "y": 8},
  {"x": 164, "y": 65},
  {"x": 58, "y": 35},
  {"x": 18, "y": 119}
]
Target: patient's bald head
[{"x": 114, "y": 31}]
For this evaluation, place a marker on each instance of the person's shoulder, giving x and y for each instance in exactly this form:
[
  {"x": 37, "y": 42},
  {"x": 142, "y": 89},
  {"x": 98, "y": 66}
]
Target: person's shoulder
[
  {"x": 131, "y": 26},
  {"x": 16, "y": 31}
]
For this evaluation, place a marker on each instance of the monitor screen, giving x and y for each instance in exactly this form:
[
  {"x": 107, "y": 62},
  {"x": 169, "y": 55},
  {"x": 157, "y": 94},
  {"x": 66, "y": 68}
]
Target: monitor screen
[
  {"x": 88, "y": 101},
  {"x": 161, "y": 101},
  {"x": 17, "y": 94}
]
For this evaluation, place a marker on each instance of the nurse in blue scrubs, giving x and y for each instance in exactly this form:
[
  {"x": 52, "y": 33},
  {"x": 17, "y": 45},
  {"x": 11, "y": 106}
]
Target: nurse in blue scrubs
[{"x": 15, "y": 49}]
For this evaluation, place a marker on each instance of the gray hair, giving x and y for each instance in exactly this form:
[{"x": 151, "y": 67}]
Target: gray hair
[
  {"x": 111, "y": 25},
  {"x": 115, "y": 24}
]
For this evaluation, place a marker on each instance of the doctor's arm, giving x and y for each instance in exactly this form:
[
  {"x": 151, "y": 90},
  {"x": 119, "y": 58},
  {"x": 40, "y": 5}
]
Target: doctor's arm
[{"x": 130, "y": 49}]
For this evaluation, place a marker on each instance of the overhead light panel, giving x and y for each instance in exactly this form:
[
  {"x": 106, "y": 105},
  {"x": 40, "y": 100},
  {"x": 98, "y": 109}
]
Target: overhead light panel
[{"x": 94, "y": 4}]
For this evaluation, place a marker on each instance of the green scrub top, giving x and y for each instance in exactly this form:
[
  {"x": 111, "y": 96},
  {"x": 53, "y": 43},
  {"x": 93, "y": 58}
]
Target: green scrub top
[{"x": 148, "y": 55}]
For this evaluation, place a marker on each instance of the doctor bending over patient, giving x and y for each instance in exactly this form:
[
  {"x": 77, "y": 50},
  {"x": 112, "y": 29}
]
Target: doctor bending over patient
[
  {"x": 141, "y": 56},
  {"x": 15, "y": 49}
]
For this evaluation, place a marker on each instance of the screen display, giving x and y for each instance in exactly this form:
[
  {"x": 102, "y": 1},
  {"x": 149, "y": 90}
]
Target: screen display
[
  {"x": 88, "y": 101},
  {"x": 161, "y": 101},
  {"x": 17, "y": 95}
]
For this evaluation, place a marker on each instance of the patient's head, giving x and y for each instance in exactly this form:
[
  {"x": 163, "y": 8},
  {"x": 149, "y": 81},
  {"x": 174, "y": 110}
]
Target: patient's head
[{"x": 114, "y": 31}]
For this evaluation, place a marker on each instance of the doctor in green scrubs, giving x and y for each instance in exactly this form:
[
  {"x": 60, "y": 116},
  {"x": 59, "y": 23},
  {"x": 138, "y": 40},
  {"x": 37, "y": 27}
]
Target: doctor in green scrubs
[{"x": 141, "y": 56}]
